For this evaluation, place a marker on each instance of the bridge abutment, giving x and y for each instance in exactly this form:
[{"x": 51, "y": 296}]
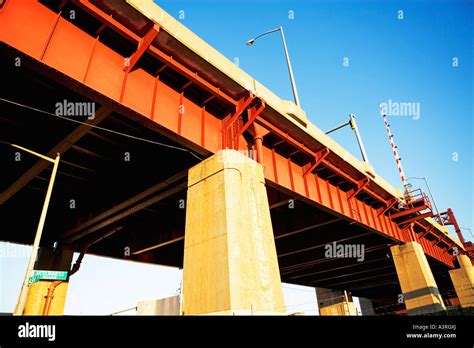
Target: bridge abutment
[
  {"x": 420, "y": 291},
  {"x": 230, "y": 260},
  {"x": 463, "y": 281}
]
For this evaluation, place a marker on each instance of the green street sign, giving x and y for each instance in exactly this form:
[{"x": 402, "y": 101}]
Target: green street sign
[
  {"x": 50, "y": 275},
  {"x": 34, "y": 279}
]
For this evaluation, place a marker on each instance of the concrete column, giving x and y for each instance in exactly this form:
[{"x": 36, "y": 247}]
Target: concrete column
[
  {"x": 463, "y": 281},
  {"x": 49, "y": 260},
  {"x": 420, "y": 292},
  {"x": 366, "y": 307},
  {"x": 230, "y": 261},
  {"x": 335, "y": 302}
]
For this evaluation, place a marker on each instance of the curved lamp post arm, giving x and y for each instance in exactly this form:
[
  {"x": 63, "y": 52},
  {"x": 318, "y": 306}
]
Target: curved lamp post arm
[
  {"x": 288, "y": 61},
  {"x": 251, "y": 41}
]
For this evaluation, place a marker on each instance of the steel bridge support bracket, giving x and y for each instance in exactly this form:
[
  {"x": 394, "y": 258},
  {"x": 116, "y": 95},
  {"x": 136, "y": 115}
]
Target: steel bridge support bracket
[
  {"x": 360, "y": 187},
  {"x": 143, "y": 45},
  {"x": 318, "y": 159}
]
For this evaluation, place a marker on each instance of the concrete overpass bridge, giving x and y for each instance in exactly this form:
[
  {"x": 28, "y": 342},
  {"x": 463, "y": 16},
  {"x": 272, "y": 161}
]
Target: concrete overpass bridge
[{"x": 267, "y": 195}]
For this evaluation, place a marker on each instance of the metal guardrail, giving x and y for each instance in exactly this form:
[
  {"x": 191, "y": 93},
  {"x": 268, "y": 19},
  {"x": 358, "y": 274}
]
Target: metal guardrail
[{"x": 417, "y": 195}]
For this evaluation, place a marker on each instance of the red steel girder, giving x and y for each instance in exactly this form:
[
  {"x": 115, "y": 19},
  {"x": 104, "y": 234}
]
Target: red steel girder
[
  {"x": 253, "y": 114},
  {"x": 417, "y": 218},
  {"x": 407, "y": 212},
  {"x": 451, "y": 220},
  {"x": 186, "y": 85},
  {"x": 440, "y": 239},
  {"x": 157, "y": 53},
  {"x": 430, "y": 229},
  {"x": 360, "y": 186},
  {"x": 241, "y": 106},
  {"x": 450, "y": 246},
  {"x": 320, "y": 191},
  {"x": 143, "y": 45},
  {"x": 160, "y": 69},
  {"x": 320, "y": 156},
  {"x": 311, "y": 153},
  {"x": 426, "y": 230},
  {"x": 389, "y": 206}
]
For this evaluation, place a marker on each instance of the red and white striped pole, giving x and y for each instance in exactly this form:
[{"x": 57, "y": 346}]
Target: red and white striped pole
[{"x": 395, "y": 154}]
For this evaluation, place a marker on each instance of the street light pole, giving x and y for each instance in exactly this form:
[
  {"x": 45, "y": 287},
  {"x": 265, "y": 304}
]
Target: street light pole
[
  {"x": 465, "y": 228},
  {"x": 290, "y": 69},
  {"x": 288, "y": 61},
  {"x": 431, "y": 195},
  {"x": 352, "y": 122},
  {"x": 20, "y": 306},
  {"x": 354, "y": 127}
]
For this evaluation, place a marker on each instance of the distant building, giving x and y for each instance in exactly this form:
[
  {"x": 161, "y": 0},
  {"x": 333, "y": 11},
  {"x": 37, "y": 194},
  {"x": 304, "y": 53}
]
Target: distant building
[{"x": 164, "y": 306}]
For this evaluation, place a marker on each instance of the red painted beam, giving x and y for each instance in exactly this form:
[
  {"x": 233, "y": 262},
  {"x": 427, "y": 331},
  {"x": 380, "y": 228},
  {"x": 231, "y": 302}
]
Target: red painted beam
[
  {"x": 253, "y": 114},
  {"x": 389, "y": 206},
  {"x": 242, "y": 105},
  {"x": 360, "y": 186},
  {"x": 416, "y": 218},
  {"x": 143, "y": 45},
  {"x": 320, "y": 156},
  {"x": 131, "y": 36},
  {"x": 81, "y": 56},
  {"x": 306, "y": 150},
  {"x": 407, "y": 212}
]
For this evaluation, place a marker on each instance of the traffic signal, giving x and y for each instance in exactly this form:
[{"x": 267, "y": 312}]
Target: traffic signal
[{"x": 352, "y": 123}]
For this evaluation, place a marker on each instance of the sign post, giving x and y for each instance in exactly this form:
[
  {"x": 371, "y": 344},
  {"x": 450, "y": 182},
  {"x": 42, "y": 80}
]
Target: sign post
[{"x": 20, "y": 306}]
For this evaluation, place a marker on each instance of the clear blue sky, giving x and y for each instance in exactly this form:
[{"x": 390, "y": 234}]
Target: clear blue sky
[{"x": 405, "y": 60}]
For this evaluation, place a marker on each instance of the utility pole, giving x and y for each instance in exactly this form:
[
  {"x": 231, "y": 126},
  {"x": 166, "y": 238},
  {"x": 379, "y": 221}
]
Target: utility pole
[
  {"x": 353, "y": 124},
  {"x": 20, "y": 306},
  {"x": 288, "y": 61}
]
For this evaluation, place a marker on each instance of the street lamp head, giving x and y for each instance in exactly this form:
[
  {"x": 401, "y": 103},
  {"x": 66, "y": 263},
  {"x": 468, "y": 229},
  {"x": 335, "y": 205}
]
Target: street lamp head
[{"x": 280, "y": 29}]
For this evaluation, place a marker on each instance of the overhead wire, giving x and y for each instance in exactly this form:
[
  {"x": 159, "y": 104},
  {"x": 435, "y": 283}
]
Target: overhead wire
[
  {"x": 178, "y": 149},
  {"x": 102, "y": 128}
]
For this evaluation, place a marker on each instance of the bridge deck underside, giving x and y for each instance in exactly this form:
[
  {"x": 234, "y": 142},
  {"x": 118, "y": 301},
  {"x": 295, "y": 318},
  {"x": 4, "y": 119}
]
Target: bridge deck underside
[
  {"x": 170, "y": 93},
  {"x": 100, "y": 173}
]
